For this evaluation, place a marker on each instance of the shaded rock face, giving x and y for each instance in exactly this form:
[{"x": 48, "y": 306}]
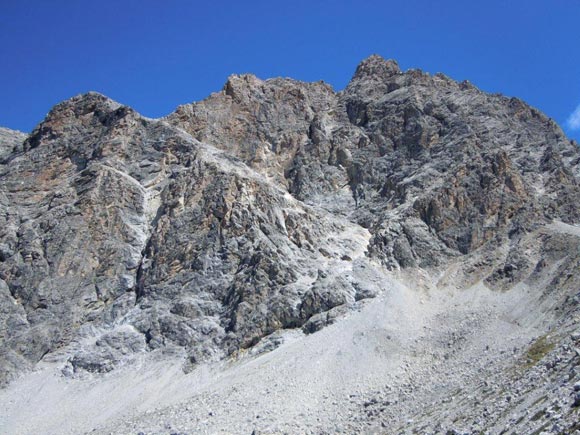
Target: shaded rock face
[{"x": 255, "y": 209}]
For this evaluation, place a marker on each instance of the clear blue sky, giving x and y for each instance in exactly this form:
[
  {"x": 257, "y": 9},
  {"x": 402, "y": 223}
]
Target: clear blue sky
[{"x": 155, "y": 55}]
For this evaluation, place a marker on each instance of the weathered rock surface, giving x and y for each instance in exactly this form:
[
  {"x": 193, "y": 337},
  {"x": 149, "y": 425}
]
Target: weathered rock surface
[
  {"x": 271, "y": 205},
  {"x": 9, "y": 141},
  {"x": 112, "y": 219}
]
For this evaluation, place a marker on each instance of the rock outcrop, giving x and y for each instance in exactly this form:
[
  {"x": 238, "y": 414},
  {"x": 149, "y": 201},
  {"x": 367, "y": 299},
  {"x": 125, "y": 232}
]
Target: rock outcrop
[{"x": 9, "y": 140}]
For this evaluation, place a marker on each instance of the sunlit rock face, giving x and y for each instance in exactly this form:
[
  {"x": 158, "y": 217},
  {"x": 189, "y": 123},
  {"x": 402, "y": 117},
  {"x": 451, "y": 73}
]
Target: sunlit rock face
[{"x": 263, "y": 206}]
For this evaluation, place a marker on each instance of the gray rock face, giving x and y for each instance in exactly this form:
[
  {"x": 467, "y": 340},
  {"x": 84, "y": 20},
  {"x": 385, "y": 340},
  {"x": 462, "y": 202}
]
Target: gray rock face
[
  {"x": 256, "y": 210},
  {"x": 9, "y": 140}
]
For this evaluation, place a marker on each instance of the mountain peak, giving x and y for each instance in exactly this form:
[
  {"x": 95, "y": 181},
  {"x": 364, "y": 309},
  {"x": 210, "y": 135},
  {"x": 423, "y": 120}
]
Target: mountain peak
[
  {"x": 82, "y": 109},
  {"x": 238, "y": 84},
  {"x": 376, "y": 65},
  {"x": 92, "y": 100}
]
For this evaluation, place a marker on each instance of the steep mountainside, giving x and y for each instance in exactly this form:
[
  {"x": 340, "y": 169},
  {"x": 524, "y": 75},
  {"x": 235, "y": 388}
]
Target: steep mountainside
[{"x": 279, "y": 205}]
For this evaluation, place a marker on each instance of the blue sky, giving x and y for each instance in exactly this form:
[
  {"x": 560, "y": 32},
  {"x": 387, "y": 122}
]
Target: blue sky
[{"x": 155, "y": 55}]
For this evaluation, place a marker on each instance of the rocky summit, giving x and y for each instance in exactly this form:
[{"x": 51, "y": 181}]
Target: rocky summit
[{"x": 398, "y": 257}]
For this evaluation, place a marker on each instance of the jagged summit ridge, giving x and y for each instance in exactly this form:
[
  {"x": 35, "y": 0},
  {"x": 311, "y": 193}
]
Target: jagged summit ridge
[{"x": 376, "y": 65}]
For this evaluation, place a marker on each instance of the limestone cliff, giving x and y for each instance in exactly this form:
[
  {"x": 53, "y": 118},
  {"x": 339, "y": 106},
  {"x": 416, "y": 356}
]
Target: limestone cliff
[{"x": 256, "y": 210}]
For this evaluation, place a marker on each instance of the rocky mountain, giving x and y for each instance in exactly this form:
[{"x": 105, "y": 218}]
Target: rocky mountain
[{"x": 434, "y": 223}]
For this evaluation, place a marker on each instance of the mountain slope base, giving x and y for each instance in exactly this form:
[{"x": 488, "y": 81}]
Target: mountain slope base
[{"x": 417, "y": 357}]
